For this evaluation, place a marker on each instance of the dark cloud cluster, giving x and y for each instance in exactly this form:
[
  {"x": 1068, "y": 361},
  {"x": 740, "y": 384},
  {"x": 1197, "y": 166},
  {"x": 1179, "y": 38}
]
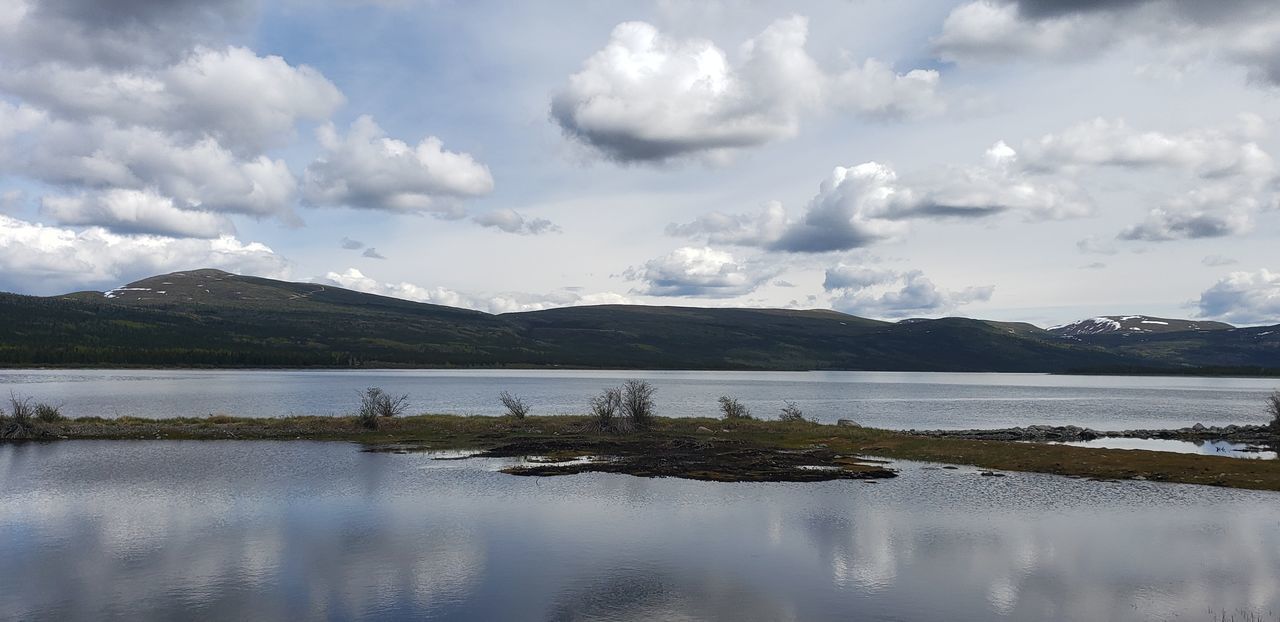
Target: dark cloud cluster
[
  {"x": 120, "y": 33},
  {"x": 1242, "y": 32}
]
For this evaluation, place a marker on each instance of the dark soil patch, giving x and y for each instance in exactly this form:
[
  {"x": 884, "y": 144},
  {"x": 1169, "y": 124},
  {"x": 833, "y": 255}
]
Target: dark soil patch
[{"x": 707, "y": 459}]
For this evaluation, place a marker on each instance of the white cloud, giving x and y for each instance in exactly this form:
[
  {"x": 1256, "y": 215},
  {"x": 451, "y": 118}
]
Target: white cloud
[
  {"x": 366, "y": 169},
  {"x": 18, "y": 119},
  {"x": 877, "y": 293},
  {"x": 511, "y": 221},
  {"x": 737, "y": 229},
  {"x": 1091, "y": 245},
  {"x": 242, "y": 100},
  {"x": 649, "y": 97},
  {"x": 1208, "y": 153},
  {"x": 1236, "y": 177},
  {"x": 866, "y": 204},
  {"x": 989, "y": 30},
  {"x": 203, "y": 175},
  {"x": 1218, "y": 261},
  {"x": 187, "y": 134},
  {"x": 869, "y": 203},
  {"x": 508, "y": 302},
  {"x": 45, "y": 259},
  {"x": 354, "y": 279},
  {"x": 698, "y": 272},
  {"x": 1244, "y": 298},
  {"x": 135, "y": 211}
]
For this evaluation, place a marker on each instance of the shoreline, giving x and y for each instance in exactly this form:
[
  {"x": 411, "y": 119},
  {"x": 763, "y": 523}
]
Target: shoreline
[
  {"x": 1243, "y": 434},
  {"x": 1243, "y": 373},
  {"x": 695, "y": 448}
]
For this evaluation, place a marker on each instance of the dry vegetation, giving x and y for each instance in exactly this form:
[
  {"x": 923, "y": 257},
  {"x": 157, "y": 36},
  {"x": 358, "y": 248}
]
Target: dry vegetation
[{"x": 623, "y": 422}]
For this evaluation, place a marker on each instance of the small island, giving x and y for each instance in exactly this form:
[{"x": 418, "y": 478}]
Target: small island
[{"x": 623, "y": 436}]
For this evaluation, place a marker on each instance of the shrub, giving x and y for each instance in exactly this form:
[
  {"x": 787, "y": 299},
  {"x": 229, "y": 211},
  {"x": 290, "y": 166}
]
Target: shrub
[
  {"x": 21, "y": 423},
  {"x": 47, "y": 413},
  {"x": 376, "y": 403},
  {"x": 791, "y": 412},
  {"x": 733, "y": 409},
  {"x": 604, "y": 408},
  {"x": 515, "y": 406},
  {"x": 21, "y": 409},
  {"x": 1273, "y": 407},
  {"x": 637, "y": 402}
]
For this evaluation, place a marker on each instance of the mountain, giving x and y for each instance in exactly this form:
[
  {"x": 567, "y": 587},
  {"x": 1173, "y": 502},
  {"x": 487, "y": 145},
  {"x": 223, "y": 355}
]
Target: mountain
[
  {"x": 217, "y": 319},
  {"x": 1129, "y": 324}
]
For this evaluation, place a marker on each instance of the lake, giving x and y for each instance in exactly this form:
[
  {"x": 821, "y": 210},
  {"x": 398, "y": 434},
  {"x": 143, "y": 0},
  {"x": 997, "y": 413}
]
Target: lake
[
  {"x": 897, "y": 400},
  {"x": 260, "y": 530}
]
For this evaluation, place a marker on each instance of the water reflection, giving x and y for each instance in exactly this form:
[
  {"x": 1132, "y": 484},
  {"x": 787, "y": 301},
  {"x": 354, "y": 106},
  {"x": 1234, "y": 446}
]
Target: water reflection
[{"x": 265, "y": 530}]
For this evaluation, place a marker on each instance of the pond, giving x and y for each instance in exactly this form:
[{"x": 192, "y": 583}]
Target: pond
[{"x": 267, "y": 530}]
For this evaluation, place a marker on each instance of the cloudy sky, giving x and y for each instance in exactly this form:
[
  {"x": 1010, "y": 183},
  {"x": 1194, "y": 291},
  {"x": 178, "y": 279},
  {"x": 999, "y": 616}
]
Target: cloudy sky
[{"x": 1032, "y": 160}]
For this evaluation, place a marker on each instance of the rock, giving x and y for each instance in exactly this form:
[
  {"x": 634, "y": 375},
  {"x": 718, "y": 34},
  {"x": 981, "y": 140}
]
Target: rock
[
  {"x": 1199, "y": 427},
  {"x": 951, "y": 468},
  {"x": 992, "y": 474},
  {"x": 848, "y": 423},
  {"x": 703, "y": 430}
]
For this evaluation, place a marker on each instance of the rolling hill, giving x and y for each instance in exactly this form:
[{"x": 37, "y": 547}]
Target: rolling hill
[{"x": 213, "y": 318}]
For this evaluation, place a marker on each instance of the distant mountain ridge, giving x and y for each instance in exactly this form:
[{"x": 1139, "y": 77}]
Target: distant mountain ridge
[
  {"x": 1127, "y": 324},
  {"x": 217, "y": 319}
]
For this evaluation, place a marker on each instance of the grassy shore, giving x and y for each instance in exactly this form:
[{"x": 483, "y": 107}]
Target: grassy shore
[{"x": 698, "y": 440}]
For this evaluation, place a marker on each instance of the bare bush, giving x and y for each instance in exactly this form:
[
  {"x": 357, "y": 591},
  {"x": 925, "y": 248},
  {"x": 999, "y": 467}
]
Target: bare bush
[
  {"x": 637, "y": 402},
  {"x": 515, "y": 406},
  {"x": 21, "y": 422},
  {"x": 605, "y": 407},
  {"x": 375, "y": 403},
  {"x": 791, "y": 412},
  {"x": 48, "y": 413},
  {"x": 1273, "y": 407},
  {"x": 733, "y": 409},
  {"x": 21, "y": 409}
]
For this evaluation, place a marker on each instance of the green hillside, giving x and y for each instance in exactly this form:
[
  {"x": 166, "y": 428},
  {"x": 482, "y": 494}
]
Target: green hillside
[{"x": 213, "y": 318}]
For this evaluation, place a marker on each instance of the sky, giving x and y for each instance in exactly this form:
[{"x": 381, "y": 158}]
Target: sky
[{"x": 1020, "y": 160}]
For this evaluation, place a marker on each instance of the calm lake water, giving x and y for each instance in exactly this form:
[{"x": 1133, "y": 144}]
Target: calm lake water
[
  {"x": 1208, "y": 448},
  {"x": 881, "y": 399},
  {"x": 263, "y": 530}
]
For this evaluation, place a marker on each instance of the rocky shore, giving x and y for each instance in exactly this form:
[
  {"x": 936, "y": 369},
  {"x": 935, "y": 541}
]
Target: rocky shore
[{"x": 1248, "y": 434}]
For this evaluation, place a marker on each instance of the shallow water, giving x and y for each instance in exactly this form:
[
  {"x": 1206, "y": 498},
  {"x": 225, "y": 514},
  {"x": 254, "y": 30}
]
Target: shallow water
[
  {"x": 272, "y": 530},
  {"x": 1208, "y": 448},
  {"x": 881, "y": 399}
]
